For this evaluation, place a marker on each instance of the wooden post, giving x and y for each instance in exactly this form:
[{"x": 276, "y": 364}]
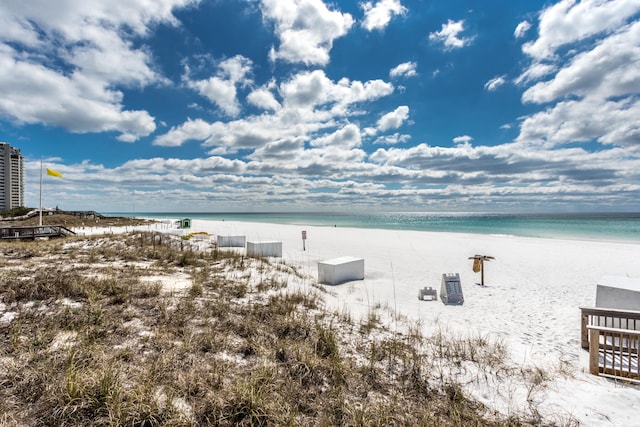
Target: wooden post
[
  {"x": 594, "y": 351},
  {"x": 584, "y": 333},
  {"x": 480, "y": 259}
]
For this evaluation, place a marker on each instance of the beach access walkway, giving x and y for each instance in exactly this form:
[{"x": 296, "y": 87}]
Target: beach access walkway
[{"x": 33, "y": 232}]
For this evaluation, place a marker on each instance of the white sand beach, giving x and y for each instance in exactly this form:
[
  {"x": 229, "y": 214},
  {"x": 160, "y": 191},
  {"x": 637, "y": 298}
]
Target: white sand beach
[{"x": 531, "y": 302}]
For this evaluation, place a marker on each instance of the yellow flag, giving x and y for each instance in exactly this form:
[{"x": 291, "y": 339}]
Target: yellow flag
[{"x": 53, "y": 173}]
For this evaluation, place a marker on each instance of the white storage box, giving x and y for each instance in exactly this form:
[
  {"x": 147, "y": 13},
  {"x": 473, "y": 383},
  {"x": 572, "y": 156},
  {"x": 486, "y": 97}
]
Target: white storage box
[
  {"x": 340, "y": 270},
  {"x": 231, "y": 241},
  {"x": 264, "y": 249},
  {"x": 618, "y": 292}
]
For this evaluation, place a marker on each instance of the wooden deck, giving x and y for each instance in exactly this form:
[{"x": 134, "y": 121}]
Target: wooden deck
[
  {"x": 34, "y": 232},
  {"x": 613, "y": 340}
]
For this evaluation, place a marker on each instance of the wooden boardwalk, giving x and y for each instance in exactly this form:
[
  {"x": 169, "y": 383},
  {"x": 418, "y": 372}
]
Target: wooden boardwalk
[
  {"x": 613, "y": 339},
  {"x": 34, "y": 232}
]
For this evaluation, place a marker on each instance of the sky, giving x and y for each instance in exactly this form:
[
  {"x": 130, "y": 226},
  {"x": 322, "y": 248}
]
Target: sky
[{"x": 313, "y": 105}]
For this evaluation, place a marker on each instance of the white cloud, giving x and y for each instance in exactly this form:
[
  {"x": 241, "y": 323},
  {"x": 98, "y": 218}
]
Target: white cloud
[
  {"x": 309, "y": 89},
  {"x": 311, "y": 105},
  {"x": 92, "y": 45},
  {"x": 378, "y": 16},
  {"x": 346, "y": 137},
  {"x": 449, "y": 35},
  {"x": 221, "y": 89},
  {"x": 349, "y": 92},
  {"x": 33, "y": 93},
  {"x": 611, "y": 122},
  {"x": 406, "y": 69},
  {"x": 462, "y": 140},
  {"x": 592, "y": 84},
  {"x": 396, "y": 138},
  {"x": 569, "y": 21},
  {"x": 220, "y": 92},
  {"x": 236, "y": 69},
  {"x": 535, "y": 71},
  {"x": 264, "y": 98},
  {"x": 190, "y": 130},
  {"x": 394, "y": 119},
  {"x": 494, "y": 83},
  {"x": 608, "y": 70},
  {"x": 521, "y": 29},
  {"x": 306, "y": 29}
]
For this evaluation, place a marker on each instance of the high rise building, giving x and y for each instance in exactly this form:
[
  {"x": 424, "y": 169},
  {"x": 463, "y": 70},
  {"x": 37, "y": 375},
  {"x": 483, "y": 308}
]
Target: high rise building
[{"x": 11, "y": 177}]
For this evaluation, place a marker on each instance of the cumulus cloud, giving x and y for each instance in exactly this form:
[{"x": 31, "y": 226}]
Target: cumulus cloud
[
  {"x": 611, "y": 122},
  {"x": 569, "y": 21},
  {"x": 92, "y": 47},
  {"x": 190, "y": 130},
  {"x": 33, "y": 93},
  {"x": 309, "y": 89},
  {"x": 521, "y": 29},
  {"x": 494, "y": 83},
  {"x": 346, "y": 137},
  {"x": 592, "y": 86},
  {"x": 220, "y": 92},
  {"x": 396, "y": 138},
  {"x": 461, "y": 140},
  {"x": 609, "y": 69},
  {"x": 394, "y": 119},
  {"x": 264, "y": 98},
  {"x": 306, "y": 29},
  {"x": 406, "y": 69},
  {"x": 449, "y": 35},
  {"x": 378, "y": 16},
  {"x": 221, "y": 89},
  {"x": 310, "y": 103}
]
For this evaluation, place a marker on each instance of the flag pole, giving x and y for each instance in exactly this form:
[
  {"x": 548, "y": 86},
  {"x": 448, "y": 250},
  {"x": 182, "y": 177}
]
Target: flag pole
[{"x": 40, "y": 220}]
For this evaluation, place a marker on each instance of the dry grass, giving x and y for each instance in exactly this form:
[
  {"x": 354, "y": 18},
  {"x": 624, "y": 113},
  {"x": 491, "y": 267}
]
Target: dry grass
[{"x": 94, "y": 343}]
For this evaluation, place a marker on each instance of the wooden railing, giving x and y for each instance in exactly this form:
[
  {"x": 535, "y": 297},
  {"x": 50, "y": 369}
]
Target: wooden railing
[
  {"x": 34, "y": 232},
  {"x": 614, "y": 352},
  {"x": 606, "y": 317},
  {"x": 613, "y": 338}
]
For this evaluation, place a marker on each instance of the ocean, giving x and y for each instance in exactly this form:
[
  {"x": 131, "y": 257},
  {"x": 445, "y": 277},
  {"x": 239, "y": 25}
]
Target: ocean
[{"x": 624, "y": 227}]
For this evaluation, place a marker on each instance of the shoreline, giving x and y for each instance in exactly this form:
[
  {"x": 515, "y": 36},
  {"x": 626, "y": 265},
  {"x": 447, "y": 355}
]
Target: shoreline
[{"x": 525, "y": 226}]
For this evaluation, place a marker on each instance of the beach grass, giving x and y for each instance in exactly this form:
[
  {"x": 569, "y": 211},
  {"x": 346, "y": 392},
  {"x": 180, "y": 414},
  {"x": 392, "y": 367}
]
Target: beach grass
[{"x": 141, "y": 329}]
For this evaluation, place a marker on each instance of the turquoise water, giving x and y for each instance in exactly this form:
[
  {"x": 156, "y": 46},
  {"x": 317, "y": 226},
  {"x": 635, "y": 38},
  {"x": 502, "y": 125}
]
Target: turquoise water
[{"x": 591, "y": 226}]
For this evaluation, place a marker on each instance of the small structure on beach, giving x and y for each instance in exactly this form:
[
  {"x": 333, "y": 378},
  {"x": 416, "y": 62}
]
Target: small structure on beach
[
  {"x": 451, "y": 289},
  {"x": 264, "y": 249},
  {"x": 339, "y": 270},
  {"x": 231, "y": 241},
  {"x": 184, "y": 223},
  {"x": 427, "y": 294},
  {"x": 618, "y": 292},
  {"x": 478, "y": 265}
]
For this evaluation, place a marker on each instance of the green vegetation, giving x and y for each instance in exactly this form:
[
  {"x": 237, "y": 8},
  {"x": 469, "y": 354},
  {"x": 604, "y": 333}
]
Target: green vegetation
[
  {"x": 107, "y": 332},
  {"x": 19, "y": 211}
]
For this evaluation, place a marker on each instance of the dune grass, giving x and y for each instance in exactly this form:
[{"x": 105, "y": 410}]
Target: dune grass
[{"x": 92, "y": 341}]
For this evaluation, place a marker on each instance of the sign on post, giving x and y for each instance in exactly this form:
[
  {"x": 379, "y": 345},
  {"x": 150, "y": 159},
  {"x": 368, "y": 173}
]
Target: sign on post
[{"x": 304, "y": 237}]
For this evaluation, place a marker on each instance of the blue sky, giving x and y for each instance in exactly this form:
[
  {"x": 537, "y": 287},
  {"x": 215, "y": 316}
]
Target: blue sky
[{"x": 311, "y": 105}]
